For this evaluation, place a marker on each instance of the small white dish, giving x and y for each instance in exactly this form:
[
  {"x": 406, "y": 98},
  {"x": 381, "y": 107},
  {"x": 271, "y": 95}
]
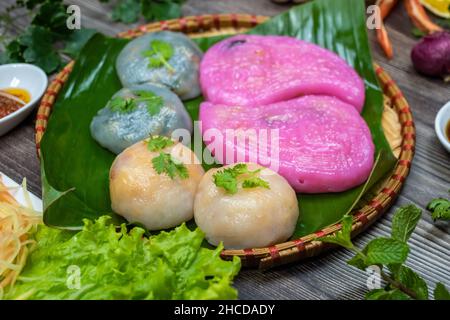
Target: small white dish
[
  {"x": 440, "y": 125},
  {"x": 19, "y": 194},
  {"x": 23, "y": 76}
]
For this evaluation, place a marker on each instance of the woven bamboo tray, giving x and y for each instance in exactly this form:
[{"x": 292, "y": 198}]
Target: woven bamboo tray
[{"x": 397, "y": 123}]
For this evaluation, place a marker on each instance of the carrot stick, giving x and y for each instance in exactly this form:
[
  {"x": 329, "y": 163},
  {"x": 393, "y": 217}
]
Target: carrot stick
[
  {"x": 385, "y": 43},
  {"x": 382, "y": 35},
  {"x": 386, "y": 7},
  {"x": 419, "y": 17}
]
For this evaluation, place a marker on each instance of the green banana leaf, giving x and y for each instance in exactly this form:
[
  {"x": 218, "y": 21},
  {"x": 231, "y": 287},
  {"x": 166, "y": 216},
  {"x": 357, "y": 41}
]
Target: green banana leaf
[{"x": 75, "y": 168}]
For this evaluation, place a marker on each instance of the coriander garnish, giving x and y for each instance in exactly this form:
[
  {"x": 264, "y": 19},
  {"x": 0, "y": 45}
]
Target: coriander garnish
[
  {"x": 439, "y": 208},
  {"x": 159, "y": 143},
  {"x": 228, "y": 178},
  {"x": 122, "y": 105},
  {"x": 163, "y": 163},
  {"x": 159, "y": 54},
  {"x": 154, "y": 102},
  {"x": 129, "y": 104}
]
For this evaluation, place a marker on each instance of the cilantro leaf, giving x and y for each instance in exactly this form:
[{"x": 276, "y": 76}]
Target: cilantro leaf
[
  {"x": 52, "y": 15},
  {"x": 165, "y": 164},
  {"x": 254, "y": 183},
  {"x": 161, "y": 10},
  {"x": 404, "y": 222},
  {"x": 228, "y": 178},
  {"x": 158, "y": 143},
  {"x": 441, "y": 292},
  {"x": 153, "y": 101},
  {"x": 127, "y": 11},
  {"x": 122, "y": 105},
  {"x": 343, "y": 236},
  {"x": 38, "y": 48},
  {"x": 159, "y": 54},
  {"x": 439, "y": 208},
  {"x": 76, "y": 41}
]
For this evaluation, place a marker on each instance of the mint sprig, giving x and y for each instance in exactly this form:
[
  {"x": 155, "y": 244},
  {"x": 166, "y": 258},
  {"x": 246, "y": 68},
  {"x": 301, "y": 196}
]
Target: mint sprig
[{"x": 390, "y": 254}]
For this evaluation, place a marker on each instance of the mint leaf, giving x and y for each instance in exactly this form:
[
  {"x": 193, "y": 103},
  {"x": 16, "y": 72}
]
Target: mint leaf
[
  {"x": 159, "y": 143},
  {"x": 439, "y": 208},
  {"x": 394, "y": 268},
  {"x": 382, "y": 294},
  {"x": 343, "y": 236},
  {"x": 165, "y": 164},
  {"x": 441, "y": 292},
  {"x": 385, "y": 251},
  {"x": 414, "y": 282},
  {"x": 404, "y": 222},
  {"x": 358, "y": 261},
  {"x": 159, "y": 54}
]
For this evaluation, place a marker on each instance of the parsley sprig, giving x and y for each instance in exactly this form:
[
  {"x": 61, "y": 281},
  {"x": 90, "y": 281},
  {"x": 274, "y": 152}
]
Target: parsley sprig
[
  {"x": 439, "y": 208},
  {"x": 159, "y": 54},
  {"x": 390, "y": 255},
  {"x": 228, "y": 178},
  {"x": 158, "y": 143},
  {"x": 164, "y": 163},
  {"x": 129, "y": 104}
]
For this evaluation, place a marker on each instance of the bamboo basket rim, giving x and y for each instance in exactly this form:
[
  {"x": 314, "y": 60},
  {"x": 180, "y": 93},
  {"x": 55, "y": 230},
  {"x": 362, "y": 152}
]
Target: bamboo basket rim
[{"x": 307, "y": 246}]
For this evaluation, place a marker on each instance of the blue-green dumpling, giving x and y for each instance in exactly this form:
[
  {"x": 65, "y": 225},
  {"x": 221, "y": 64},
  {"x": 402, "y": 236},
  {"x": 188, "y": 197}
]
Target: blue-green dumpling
[
  {"x": 167, "y": 58},
  {"x": 135, "y": 113}
]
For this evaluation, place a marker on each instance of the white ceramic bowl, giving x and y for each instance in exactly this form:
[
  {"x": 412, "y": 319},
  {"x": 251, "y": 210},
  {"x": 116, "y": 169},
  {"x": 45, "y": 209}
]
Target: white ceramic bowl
[
  {"x": 440, "y": 124},
  {"x": 24, "y": 76}
]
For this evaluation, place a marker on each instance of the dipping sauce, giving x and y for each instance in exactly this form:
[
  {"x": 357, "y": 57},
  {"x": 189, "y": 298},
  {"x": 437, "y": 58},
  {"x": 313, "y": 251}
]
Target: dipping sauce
[
  {"x": 12, "y": 99},
  {"x": 447, "y": 130}
]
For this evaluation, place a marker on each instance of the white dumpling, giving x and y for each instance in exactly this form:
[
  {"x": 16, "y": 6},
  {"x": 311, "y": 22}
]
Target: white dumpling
[
  {"x": 250, "y": 218},
  {"x": 140, "y": 194}
]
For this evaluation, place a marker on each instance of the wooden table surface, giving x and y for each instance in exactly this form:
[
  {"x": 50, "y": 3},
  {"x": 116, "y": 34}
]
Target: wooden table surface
[{"x": 327, "y": 276}]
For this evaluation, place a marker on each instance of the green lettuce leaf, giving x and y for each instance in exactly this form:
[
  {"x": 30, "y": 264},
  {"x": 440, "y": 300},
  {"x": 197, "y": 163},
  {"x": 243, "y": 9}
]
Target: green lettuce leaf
[{"x": 106, "y": 262}]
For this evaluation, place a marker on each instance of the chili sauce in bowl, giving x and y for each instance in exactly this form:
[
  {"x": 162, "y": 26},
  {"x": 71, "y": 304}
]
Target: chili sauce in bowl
[
  {"x": 12, "y": 99},
  {"x": 21, "y": 87}
]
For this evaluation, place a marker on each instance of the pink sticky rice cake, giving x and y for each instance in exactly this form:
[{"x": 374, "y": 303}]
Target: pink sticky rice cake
[
  {"x": 323, "y": 144},
  {"x": 251, "y": 70}
]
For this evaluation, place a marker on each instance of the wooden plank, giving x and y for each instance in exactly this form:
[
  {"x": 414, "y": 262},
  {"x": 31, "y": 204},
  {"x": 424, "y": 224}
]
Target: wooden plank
[{"x": 327, "y": 276}]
